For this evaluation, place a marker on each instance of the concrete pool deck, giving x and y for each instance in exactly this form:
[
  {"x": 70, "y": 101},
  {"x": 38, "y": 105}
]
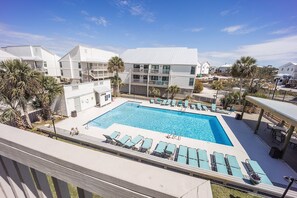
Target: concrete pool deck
[{"x": 245, "y": 144}]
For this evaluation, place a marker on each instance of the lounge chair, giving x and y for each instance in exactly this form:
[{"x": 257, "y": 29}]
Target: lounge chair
[
  {"x": 173, "y": 103},
  {"x": 193, "y": 106},
  {"x": 203, "y": 159},
  {"x": 213, "y": 107},
  {"x": 199, "y": 106},
  {"x": 182, "y": 154},
  {"x": 158, "y": 101},
  {"x": 109, "y": 138},
  {"x": 223, "y": 111},
  {"x": 160, "y": 149},
  {"x": 168, "y": 102},
  {"x": 152, "y": 101},
  {"x": 164, "y": 102},
  {"x": 186, "y": 103},
  {"x": 233, "y": 166},
  {"x": 133, "y": 142},
  {"x": 219, "y": 163},
  {"x": 205, "y": 108},
  {"x": 146, "y": 145},
  {"x": 170, "y": 150},
  {"x": 193, "y": 158},
  {"x": 179, "y": 103},
  {"x": 253, "y": 166},
  {"x": 123, "y": 140}
]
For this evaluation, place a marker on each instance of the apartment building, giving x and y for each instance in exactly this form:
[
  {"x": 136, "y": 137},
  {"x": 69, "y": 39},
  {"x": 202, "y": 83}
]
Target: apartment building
[
  {"x": 37, "y": 57},
  {"x": 203, "y": 68},
  {"x": 160, "y": 68},
  {"x": 85, "y": 64}
]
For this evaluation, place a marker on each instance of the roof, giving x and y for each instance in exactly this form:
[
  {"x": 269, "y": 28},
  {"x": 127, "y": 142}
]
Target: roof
[
  {"x": 285, "y": 111},
  {"x": 27, "y": 53},
  {"x": 88, "y": 54},
  {"x": 101, "y": 89},
  {"x": 168, "y": 55},
  {"x": 7, "y": 56}
]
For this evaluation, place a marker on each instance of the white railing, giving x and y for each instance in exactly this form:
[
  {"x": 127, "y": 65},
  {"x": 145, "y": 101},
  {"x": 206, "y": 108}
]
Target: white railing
[{"x": 29, "y": 161}]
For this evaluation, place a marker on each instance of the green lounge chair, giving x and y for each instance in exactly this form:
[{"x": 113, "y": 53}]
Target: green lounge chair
[
  {"x": 213, "y": 107},
  {"x": 109, "y": 138},
  {"x": 173, "y": 103},
  {"x": 146, "y": 145},
  {"x": 199, "y": 106},
  {"x": 220, "y": 163},
  {"x": 170, "y": 149},
  {"x": 186, "y": 104},
  {"x": 158, "y": 101},
  {"x": 182, "y": 159},
  {"x": 152, "y": 101},
  {"x": 183, "y": 151},
  {"x": 168, "y": 102},
  {"x": 123, "y": 140},
  {"x": 205, "y": 108},
  {"x": 160, "y": 149},
  {"x": 203, "y": 159},
  {"x": 234, "y": 166},
  {"x": 193, "y": 106},
  {"x": 133, "y": 142},
  {"x": 179, "y": 103},
  {"x": 223, "y": 111},
  {"x": 193, "y": 159},
  {"x": 164, "y": 102},
  {"x": 253, "y": 166}
]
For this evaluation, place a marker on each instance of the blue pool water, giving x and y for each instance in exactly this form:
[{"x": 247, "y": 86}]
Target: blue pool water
[{"x": 195, "y": 126}]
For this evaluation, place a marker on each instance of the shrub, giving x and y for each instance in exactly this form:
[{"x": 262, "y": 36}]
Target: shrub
[{"x": 198, "y": 86}]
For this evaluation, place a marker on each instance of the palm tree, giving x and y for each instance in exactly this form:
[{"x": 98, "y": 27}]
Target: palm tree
[
  {"x": 155, "y": 92},
  {"x": 116, "y": 64},
  {"x": 217, "y": 85},
  {"x": 49, "y": 88},
  {"x": 21, "y": 80},
  {"x": 245, "y": 67},
  {"x": 173, "y": 90}
]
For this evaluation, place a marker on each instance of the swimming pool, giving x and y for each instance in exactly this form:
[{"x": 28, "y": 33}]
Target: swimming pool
[{"x": 195, "y": 126}]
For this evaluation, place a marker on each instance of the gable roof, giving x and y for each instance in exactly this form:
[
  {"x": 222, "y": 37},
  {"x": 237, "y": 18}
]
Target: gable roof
[
  {"x": 6, "y": 56},
  {"x": 168, "y": 55}
]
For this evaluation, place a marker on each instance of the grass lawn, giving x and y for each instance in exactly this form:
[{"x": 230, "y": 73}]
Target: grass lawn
[{"x": 219, "y": 191}]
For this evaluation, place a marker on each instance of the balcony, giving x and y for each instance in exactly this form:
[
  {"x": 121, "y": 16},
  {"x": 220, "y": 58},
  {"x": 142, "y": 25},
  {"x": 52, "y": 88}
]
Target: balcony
[
  {"x": 154, "y": 71},
  {"x": 156, "y": 82},
  {"x": 138, "y": 81},
  {"x": 139, "y": 70},
  {"x": 166, "y": 71}
]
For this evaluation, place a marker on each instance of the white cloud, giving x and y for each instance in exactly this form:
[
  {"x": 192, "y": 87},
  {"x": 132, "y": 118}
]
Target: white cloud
[
  {"x": 197, "y": 29},
  {"x": 275, "y": 52},
  {"x": 83, "y": 12},
  {"x": 58, "y": 19},
  {"x": 99, "y": 20},
  {"x": 136, "y": 8},
  {"x": 285, "y": 30},
  {"x": 232, "y": 29},
  {"x": 229, "y": 12}
]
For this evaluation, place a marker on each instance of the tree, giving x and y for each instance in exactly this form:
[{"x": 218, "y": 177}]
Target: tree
[
  {"x": 217, "y": 85},
  {"x": 116, "y": 64},
  {"x": 198, "y": 87},
  {"x": 48, "y": 90},
  {"x": 19, "y": 81},
  {"x": 245, "y": 67},
  {"x": 115, "y": 82},
  {"x": 155, "y": 92},
  {"x": 173, "y": 90}
]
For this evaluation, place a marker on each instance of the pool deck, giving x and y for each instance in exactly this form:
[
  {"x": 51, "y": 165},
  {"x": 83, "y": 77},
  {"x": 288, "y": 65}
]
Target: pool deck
[{"x": 245, "y": 144}]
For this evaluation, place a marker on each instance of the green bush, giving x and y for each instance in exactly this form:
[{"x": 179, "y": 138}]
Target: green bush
[{"x": 198, "y": 86}]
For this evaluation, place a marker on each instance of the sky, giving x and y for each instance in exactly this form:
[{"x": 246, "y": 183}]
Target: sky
[{"x": 221, "y": 30}]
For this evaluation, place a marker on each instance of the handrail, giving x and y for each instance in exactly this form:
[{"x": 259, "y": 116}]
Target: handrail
[{"x": 104, "y": 174}]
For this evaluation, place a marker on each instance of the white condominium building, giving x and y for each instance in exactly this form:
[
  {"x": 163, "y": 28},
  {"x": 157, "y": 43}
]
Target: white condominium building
[
  {"x": 37, "y": 57},
  {"x": 159, "y": 68},
  {"x": 288, "y": 69},
  {"x": 203, "y": 68},
  {"x": 85, "y": 64}
]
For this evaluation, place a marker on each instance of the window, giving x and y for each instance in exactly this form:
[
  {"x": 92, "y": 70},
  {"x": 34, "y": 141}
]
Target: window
[
  {"x": 154, "y": 77},
  {"x": 61, "y": 72},
  {"x": 106, "y": 97},
  {"x": 144, "y": 77},
  {"x": 193, "y": 68},
  {"x": 61, "y": 65},
  {"x": 155, "y": 67},
  {"x": 288, "y": 69},
  {"x": 191, "y": 82},
  {"x": 46, "y": 72},
  {"x": 166, "y": 69},
  {"x": 136, "y": 76},
  {"x": 79, "y": 65},
  {"x": 136, "y": 66},
  {"x": 80, "y": 74},
  {"x": 292, "y": 69},
  {"x": 282, "y": 69},
  {"x": 145, "y": 66},
  {"x": 165, "y": 78},
  {"x": 44, "y": 64}
]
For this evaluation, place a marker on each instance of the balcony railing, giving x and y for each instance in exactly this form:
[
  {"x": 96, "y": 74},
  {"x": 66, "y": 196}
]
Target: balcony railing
[
  {"x": 154, "y": 71},
  {"x": 155, "y": 82},
  {"x": 166, "y": 71},
  {"x": 139, "y": 81},
  {"x": 139, "y": 70}
]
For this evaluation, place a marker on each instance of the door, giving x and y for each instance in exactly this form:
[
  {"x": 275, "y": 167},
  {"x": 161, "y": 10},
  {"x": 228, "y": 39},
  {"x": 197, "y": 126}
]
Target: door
[{"x": 77, "y": 104}]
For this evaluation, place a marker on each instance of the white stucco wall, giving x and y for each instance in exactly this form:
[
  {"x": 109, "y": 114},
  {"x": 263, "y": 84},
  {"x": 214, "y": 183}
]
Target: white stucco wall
[{"x": 288, "y": 68}]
